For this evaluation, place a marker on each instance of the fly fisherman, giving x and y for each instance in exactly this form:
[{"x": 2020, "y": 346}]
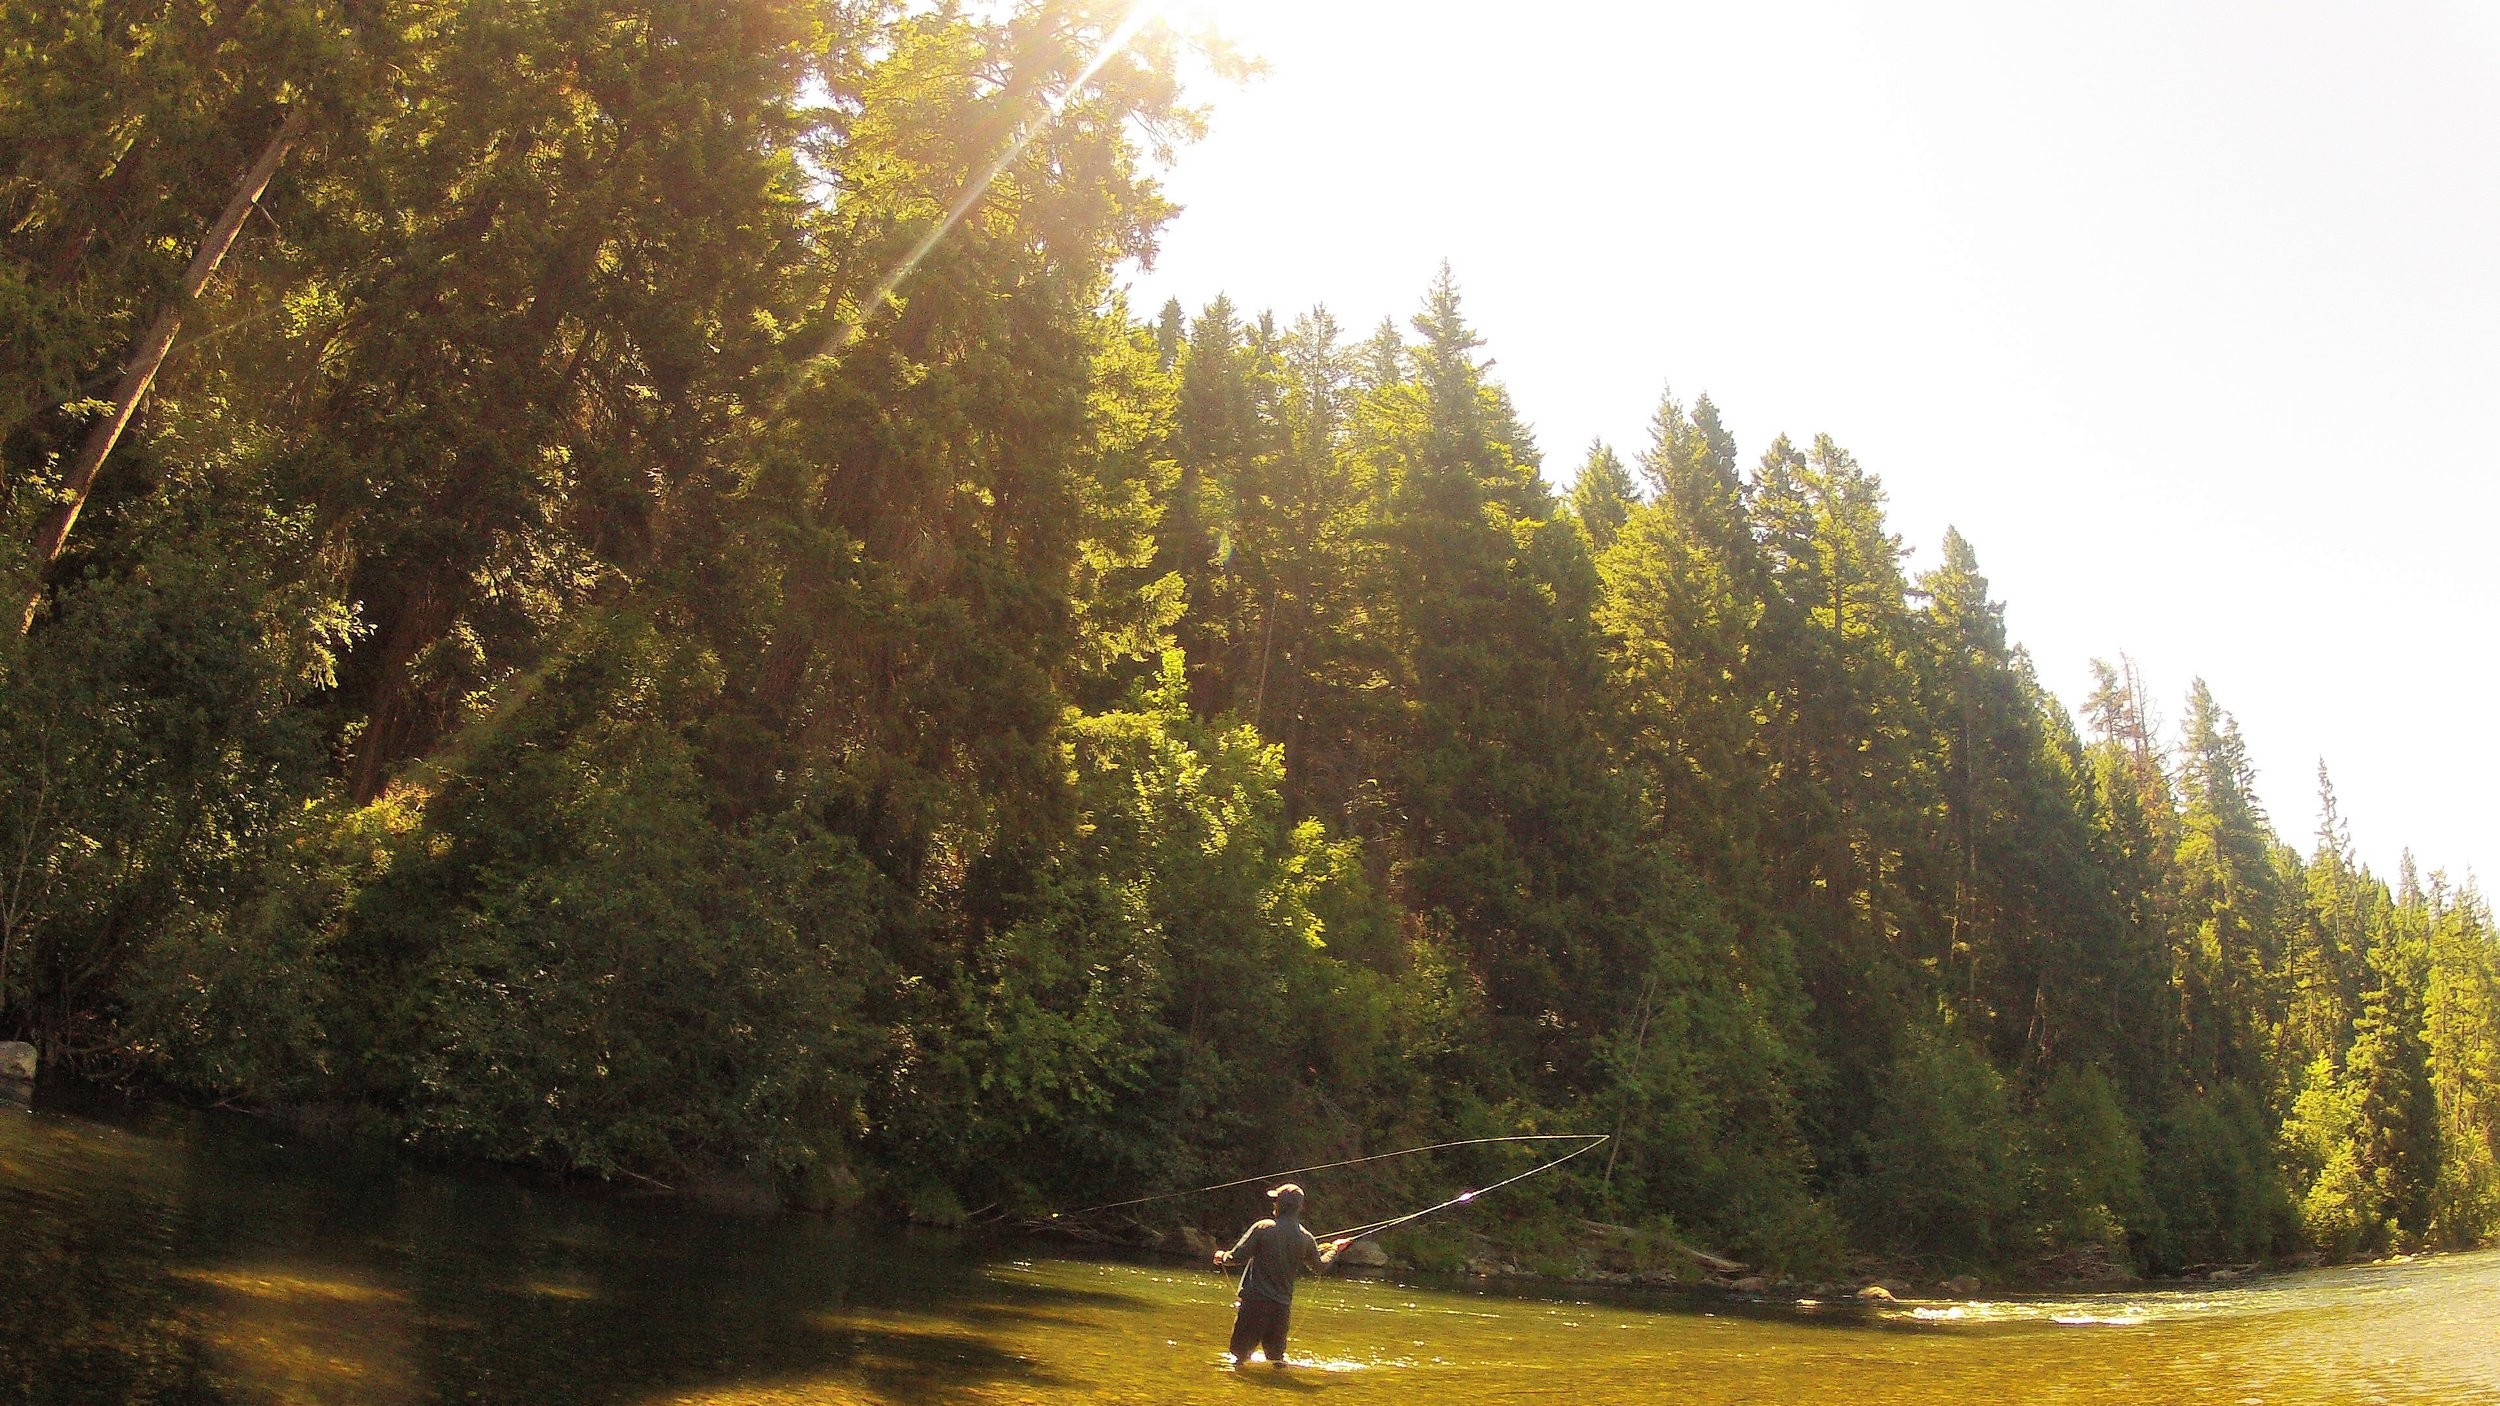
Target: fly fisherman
[{"x": 1273, "y": 1252}]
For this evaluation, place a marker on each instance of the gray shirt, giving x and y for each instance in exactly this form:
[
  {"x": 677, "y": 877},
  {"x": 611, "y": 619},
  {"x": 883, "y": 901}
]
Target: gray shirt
[{"x": 1272, "y": 1252}]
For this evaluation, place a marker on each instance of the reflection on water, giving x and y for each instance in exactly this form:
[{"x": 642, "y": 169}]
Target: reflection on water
[{"x": 175, "y": 1259}]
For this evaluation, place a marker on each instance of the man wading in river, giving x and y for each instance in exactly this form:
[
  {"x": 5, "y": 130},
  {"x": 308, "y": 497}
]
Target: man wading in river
[{"x": 1275, "y": 1251}]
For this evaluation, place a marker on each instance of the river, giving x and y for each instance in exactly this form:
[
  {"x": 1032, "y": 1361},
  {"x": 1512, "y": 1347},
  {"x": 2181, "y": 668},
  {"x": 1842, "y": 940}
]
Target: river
[{"x": 154, "y": 1256}]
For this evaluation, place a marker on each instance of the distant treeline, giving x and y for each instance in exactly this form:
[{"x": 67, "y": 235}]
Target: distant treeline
[{"x": 564, "y": 667}]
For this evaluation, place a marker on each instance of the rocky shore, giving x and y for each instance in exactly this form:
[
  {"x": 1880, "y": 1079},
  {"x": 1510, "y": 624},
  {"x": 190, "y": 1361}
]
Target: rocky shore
[{"x": 1623, "y": 1257}]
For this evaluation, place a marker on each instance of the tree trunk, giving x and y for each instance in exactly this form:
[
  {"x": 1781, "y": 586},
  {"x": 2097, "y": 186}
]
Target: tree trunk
[
  {"x": 393, "y": 717},
  {"x": 146, "y": 356}
]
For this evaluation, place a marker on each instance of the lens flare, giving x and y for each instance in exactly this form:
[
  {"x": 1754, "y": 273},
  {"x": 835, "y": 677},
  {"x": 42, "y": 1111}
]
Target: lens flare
[{"x": 1139, "y": 14}]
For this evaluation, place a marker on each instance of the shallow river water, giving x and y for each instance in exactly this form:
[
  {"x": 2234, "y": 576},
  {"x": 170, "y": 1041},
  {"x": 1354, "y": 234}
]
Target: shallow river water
[{"x": 159, "y": 1257}]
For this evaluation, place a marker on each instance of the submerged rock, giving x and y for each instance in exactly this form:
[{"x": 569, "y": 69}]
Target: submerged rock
[{"x": 17, "y": 1061}]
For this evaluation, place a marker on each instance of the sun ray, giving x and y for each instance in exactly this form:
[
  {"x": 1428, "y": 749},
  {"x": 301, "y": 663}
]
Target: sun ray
[{"x": 852, "y": 328}]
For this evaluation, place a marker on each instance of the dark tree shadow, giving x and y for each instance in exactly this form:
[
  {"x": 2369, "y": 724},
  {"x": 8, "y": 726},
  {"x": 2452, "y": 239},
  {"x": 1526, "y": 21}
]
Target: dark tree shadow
[{"x": 219, "y": 1266}]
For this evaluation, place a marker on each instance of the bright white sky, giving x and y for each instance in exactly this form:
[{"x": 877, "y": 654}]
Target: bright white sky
[{"x": 2187, "y": 315}]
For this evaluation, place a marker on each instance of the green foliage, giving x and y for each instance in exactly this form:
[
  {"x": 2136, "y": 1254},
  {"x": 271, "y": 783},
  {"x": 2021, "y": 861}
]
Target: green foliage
[
  {"x": 2216, "y": 1193},
  {"x": 1602, "y": 496},
  {"x": 596, "y": 974},
  {"x": 2340, "y": 1210},
  {"x": 2089, "y": 1164},
  {"x": 2231, "y": 902},
  {"x": 641, "y": 630},
  {"x": 1702, "y": 1096},
  {"x": 1156, "y": 992},
  {"x": 2462, "y": 1024},
  {"x": 156, "y": 741},
  {"x": 1944, "y": 1157},
  {"x": 241, "y": 1000}
]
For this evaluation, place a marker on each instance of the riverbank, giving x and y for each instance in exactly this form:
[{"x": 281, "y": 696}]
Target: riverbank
[
  {"x": 1548, "y": 1247},
  {"x": 1599, "y": 1255},
  {"x": 169, "y": 1258}
]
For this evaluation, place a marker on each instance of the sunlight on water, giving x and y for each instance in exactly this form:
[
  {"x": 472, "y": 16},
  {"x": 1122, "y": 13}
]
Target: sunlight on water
[
  {"x": 172, "y": 1259},
  {"x": 286, "y": 1287}
]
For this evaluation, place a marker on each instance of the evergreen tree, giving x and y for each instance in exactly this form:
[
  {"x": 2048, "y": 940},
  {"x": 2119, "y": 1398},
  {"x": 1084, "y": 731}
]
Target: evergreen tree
[
  {"x": 1498, "y": 773},
  {"x": 2135, "y": 823},
  {"x": 1217, "y": 430},
  {"x": 1601, "y": 496},
  {"x": 2030, "y": 937},
  {"x": 2327, "y": 962},
  {"x": 1841, "y": 713},
  {"x": 2462, "y": 1031},
  {"x": 1684, "y": 601},
  {"x": 2230, "y": 904}
]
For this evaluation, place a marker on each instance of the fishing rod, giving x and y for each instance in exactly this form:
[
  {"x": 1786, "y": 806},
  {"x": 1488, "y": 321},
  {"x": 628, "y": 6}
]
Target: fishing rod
[
  {"x": 1592, "y": 1139},
  {"x": 1351, "y": 1234}
]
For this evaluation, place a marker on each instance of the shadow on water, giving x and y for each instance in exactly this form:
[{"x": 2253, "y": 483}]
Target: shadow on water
[{"x": 192, "y": 1258}]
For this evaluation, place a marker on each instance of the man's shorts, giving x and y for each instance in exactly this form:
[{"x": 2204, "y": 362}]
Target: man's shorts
[{"x": 1260, "y": 1323}]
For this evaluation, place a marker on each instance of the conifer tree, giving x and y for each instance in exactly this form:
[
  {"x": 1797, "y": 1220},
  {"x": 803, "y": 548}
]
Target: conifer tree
[
  {"x": 1309, "y": 670},
  {"x": 2230, "y": 904},
  {"x": 1496, "y": 667},
  {"x": 2326, "y": 963},
  {"x": 1601, "y": 496},
  {"x": 2030, "y": 938},
  {"x": 1170, "y": 331},
  {"x": 1841, "y": 713},
  {"x": 2461, "y": 1019},
  {"x": 1216, "y": 433},
  {"x": 1684, "y": 598},
  {"x": 2135, "y": 825}
]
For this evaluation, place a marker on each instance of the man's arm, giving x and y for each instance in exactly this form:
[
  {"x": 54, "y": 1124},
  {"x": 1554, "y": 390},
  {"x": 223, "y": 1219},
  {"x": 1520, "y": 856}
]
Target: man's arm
[
  {"x": 1317, "y": 1257},
  {"x": 1241, "y": 1248}
]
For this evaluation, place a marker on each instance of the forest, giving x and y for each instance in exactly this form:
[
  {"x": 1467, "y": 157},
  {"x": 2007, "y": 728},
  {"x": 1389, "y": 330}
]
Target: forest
[{"x": 662, "y": 611}]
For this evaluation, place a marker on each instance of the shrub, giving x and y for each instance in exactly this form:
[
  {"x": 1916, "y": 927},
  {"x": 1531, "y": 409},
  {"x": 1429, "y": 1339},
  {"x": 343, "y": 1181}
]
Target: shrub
[
  {"x": 601, "y": 975},
  {"x": 1943, "y": 1156},
  {"x": 2088, "y": 1186},
  {"x": 2215, "y": 1192},
  {"x": 242, "y": 1001}
]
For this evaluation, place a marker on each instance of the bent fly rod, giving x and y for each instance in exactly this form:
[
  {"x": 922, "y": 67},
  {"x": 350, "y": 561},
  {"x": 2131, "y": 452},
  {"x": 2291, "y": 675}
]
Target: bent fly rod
[
  {"x": 1353, "y": 1233},
  {"x": 1350, "y": 1234}
]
